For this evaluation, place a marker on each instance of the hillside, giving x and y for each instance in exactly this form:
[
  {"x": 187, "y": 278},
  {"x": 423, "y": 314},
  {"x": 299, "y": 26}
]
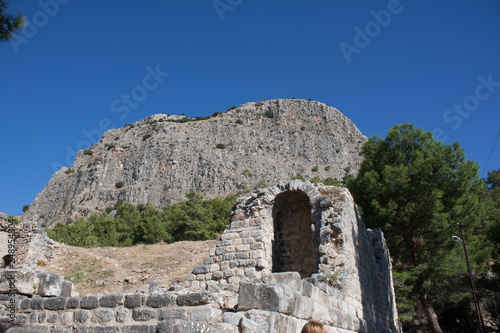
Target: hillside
[{"x": 158, "y": 159}]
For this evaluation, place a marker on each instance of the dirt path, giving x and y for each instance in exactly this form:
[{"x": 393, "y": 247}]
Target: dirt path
[{"x": 114, "y": 270}]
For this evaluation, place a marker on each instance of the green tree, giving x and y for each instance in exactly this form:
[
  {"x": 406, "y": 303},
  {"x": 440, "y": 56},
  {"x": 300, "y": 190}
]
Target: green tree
[
  {"x": 9, "y": 23},
  {"x": 416, "y": 189}
]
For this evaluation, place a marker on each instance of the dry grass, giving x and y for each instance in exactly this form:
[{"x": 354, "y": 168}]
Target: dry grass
[{"x": 114, "y": 270}]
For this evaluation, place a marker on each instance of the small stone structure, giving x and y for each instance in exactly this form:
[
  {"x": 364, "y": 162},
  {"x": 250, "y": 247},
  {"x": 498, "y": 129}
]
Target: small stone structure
[{"x": 291, "y": 253}]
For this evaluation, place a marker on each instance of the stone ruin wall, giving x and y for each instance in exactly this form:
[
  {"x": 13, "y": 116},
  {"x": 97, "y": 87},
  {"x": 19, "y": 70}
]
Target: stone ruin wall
[{"x": 291, "y": 253}]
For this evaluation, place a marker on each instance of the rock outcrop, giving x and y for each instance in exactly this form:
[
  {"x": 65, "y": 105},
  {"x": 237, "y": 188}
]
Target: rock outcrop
[{"x": 157, "y": 160}]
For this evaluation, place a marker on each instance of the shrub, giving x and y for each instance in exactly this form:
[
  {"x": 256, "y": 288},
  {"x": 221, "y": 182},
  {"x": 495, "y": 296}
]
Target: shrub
[
  {"x": 269, "y": 114},
  {"x": 196, "y": 219},
  {"x": 338, "y": 150},
  {"x": 302, "y": 128},
  {"x": 260, "y": 184},
  {"x": 246, "y": 173},
  {"x": 215, "y": 114},
  {"x": 119, "y": 184},
  {"x": 309, "y": 99},
  {"x": 258, "y": 104},
  {"x": 315, "y": 169},
  {"x": 315, "y": 179},
  {"x": 87, "y": 152},
  {"x": 110, "y": 146},
  {"x": 327, "y": 168},
  {"x": 146, "y": 136},
  {"x": 25, "y": 208},
  {"x": 298, "y": 176},
  {"x": 220, "y": 146},
  {"x": 239, "y": 121},
  {"x": 233, "y": 107},
  {"x": 347, "y": 169},
  {"x": 69, "y": 171}
]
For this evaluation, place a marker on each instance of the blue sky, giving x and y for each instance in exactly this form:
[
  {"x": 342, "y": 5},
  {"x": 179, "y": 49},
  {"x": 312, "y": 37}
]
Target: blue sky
[{"x": 79, "y": 69}]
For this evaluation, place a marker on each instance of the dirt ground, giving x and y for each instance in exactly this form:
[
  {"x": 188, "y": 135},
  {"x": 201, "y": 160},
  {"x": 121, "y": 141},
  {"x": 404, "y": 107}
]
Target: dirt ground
[{"x": 99, "y": 271}]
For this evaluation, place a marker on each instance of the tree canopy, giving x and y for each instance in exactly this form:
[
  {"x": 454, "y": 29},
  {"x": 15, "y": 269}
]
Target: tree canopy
[
  {"x": 416, "y": 189},
  {"x": 9, "y": 23}
]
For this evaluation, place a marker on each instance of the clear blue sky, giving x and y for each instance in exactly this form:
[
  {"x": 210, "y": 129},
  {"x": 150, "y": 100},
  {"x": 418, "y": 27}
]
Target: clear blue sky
[{"x": 380, "y": 62}]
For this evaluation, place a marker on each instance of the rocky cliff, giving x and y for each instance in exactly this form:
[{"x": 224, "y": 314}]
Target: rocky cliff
[{"x": 158, "y": 159}]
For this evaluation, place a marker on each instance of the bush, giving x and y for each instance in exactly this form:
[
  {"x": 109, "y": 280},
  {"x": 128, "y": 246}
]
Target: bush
[
  {"x": 110, "y": 146},
  {"x": 269, "y": 114},
  {"x": 260, "y": 184},
  {"x": 299, "y": 177},
  {"x": 327, "y": 168},
  {"x": 220, "y": 146},
  {"x": 258, "y": 104},
  {"x": 69, "y": 171},
  {"x": 87, "y": 152},
  {"x": 246, "y": 173},
  {"x": 302, "y": 128},
  {"x": 315, "y": 169},
  {"x": 119, "y": 184},
  {"x": 25, "y": 208},
  {"x": 146, "y": 136},
  {"x": 239, "y": 121}
]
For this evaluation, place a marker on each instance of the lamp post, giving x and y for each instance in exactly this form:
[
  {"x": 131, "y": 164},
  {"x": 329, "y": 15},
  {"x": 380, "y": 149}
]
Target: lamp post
[{"x": 473, "y": 285}]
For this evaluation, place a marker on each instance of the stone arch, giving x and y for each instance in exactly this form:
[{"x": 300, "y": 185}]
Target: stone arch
[{"x": 293, "y": 245}]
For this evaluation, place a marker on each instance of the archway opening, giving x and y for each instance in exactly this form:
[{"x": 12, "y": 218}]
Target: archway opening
[
  {"x": 7, "y": 260},
  {"x": 293, "y": 237}
]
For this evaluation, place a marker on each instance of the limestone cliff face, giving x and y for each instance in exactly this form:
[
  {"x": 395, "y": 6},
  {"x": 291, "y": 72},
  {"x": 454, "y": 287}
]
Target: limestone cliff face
[{"x": 158, "y": 161}]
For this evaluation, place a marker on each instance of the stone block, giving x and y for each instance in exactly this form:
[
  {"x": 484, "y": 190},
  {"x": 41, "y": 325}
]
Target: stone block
[
  {"x": 102, "y": 316},
  {"x": 121, "y": 315},
  {"x": 42, "y": 317},
  {"x": 202, "y": 269},
  {"x": 208, "y": 261},
  {"x": 159, "y": 300},
  {"x": 143, "y": 314},
  {"x": 53, "y": 285},
  {"x": 242, "y": 255},
  {"x": 73, "y": 303},
  {"x": 67, "y": 318},
  {"x": 133, "y": 301},
  {"x": 98, "y": 329},
  {"x": 110, "y": 301},
  {"x": 291, "y": 279},
  {"x": 233, "y": 318},
  {"x": 89, "y": 302},
  {"x": 173, "y": 314},
  {"x": 22, "y": 281},
  {"x": 139, "y": 329},
  {"x": 25, "y": 304},
  {"x": 262, "y": 263},
  {"x": 217, "y": 275},
  {"x": 193, "y": 299},
  {"x": 56, "y": 303},
  {"x": 205, "y": 314},
  {"x": 264, "y": 297}
]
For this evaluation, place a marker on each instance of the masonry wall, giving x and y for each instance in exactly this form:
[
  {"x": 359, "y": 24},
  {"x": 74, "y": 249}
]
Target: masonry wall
[{"x": 255, "y": 280}]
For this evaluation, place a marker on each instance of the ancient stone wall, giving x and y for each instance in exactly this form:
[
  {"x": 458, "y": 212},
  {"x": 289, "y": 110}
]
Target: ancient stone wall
[{"x": 293, "y": 252}]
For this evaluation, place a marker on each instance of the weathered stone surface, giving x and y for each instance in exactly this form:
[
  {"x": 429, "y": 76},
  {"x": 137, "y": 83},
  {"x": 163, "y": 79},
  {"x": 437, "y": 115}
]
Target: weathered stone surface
[
  {"x": 53, "y": 285},
  {"x": 300, "y": 135},
  {"x": 193, "y": 299},
  {"x": 89, "y": 302},
  {"x": 159, "y": 300},
  {"x": 110, "y": 301},
  {"x": 57, "y": 303},
  {"x": 133, "y": 301},
  {"x": 291, "y": 279},
  {"x": 143, "y": 314},
  {"x": 102, "y": 316},
  {"x": 98, "y": 329}
]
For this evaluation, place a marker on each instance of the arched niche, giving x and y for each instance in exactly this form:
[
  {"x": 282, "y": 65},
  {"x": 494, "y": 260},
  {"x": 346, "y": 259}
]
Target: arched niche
[{"x": 293, "y": 248}]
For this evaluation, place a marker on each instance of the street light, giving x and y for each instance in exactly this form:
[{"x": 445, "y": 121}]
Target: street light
[{"x": 473, "y": 285}]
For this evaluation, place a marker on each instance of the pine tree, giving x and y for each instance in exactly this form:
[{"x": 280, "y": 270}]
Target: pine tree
[
  {"x": 9, "y": 23},
  {"x": 416, "y": 189}
]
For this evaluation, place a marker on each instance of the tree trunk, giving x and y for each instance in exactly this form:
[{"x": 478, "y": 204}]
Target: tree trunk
[{"x": 431, "y": 316}]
